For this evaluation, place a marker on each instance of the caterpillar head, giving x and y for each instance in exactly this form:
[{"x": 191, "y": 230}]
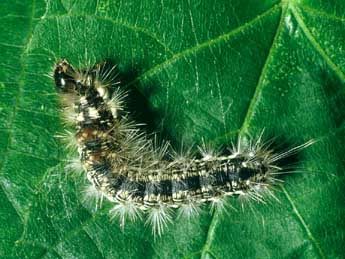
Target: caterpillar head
[
  {"x": 64, "y": 77},
  {"x": 69, "y": 80}
]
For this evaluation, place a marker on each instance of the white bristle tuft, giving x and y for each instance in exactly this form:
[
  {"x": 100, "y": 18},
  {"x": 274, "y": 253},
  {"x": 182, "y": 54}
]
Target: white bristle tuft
[
  {"x": 75, "y": 165},
  {"x": 107, "y": 75},
  {"x": 159, "y": 217},
  {"x": 159, "y": 150},
  {"x": 69, "y": 115},
  {"x": 116, "y": 103},
  {"x": 68, "y": 138},
  {"x": 191, "y": 208},
  {"x": 290, "y": 152},
  {"x": 125, "y": 210},
  {"x": 207, "y": 151},
  {"x": 219, "y": 204},
  {"x": 184, "y": 156},
  {"x": 92, "y": 196}
]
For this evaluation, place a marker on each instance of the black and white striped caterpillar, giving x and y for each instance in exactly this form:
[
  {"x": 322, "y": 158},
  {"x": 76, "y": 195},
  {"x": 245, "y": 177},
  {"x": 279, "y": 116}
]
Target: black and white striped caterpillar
[{"x": 127, "y": 167}]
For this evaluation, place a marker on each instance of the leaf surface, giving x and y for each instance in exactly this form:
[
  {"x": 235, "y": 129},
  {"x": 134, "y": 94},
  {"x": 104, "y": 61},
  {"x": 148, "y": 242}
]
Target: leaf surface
[{"x": 201, "y": 70}]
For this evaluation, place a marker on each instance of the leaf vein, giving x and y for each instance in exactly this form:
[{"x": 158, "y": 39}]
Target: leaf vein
[
  {"x": 318, "y": 13},
  {"x": 259, "y": 87},
  {"x": 305, "y": 226},
  {"x": 201, "y": 46},
  {"x": 210, "y": 235},
  {"x": 315, "y": 44},
  {"x": 114, "y": 21}
]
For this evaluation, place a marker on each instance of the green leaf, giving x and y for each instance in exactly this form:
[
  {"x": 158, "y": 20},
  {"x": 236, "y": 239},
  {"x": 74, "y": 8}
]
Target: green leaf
[{"x": 204, "y": 70}]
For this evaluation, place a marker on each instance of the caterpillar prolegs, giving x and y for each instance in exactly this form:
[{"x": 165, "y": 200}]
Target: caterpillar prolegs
[{"x": 142, "y": 178}]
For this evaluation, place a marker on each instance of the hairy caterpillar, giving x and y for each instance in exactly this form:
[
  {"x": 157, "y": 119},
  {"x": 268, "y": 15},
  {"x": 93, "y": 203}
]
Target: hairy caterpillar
[{"x": 127, "y": 167}]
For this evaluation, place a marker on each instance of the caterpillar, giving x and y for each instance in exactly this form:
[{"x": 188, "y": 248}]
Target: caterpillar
[{"x": 127, "y": 167}]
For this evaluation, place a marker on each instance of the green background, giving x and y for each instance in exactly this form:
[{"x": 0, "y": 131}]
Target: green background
[{"x": 200, "y": 69}]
